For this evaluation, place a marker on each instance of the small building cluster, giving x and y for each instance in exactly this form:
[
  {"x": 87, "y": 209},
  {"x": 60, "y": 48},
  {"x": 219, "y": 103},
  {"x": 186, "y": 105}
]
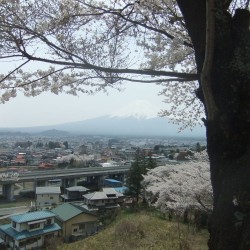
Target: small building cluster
[
  {"x": 70, "y": 216},
  {"x": 72, "y": 212}
]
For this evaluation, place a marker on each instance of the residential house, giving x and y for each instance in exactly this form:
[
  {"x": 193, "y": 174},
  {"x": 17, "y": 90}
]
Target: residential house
[
  {"x": 47, "y": 196},
  {"x": 20, "y": 159},
  {"x": 74, "y": 193},
  {"x": 76, "y": 222},
  {"x": 30, "y": 230},
  {"x": 105, "y": 199}
]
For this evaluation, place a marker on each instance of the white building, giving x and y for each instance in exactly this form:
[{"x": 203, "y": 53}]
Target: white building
[
  {"x": 108, "y": 198},
  {"x": 47, "y": 196}
]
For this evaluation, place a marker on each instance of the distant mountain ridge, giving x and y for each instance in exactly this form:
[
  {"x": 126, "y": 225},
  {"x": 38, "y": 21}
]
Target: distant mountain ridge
[
  {"x": 138, "y": 118},
  {"x": 15, "y": 132},
  {"x": 107, "y": 125}
]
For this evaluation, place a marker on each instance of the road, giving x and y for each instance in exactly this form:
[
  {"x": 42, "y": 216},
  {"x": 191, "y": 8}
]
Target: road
[{"x": 6, "y": 212}]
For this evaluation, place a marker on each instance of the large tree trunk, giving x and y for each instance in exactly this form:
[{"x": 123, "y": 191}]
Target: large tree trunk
[{"x": 228, "y": 133}]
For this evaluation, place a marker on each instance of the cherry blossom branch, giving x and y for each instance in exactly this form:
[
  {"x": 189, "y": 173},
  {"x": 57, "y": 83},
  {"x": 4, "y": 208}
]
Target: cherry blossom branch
[
  {"x": 158, "y": 80},
  {"x": 13, "y": 71},
  {"x": 119, "y": 13},
  {"x": 185, "y": 76},
  {"x": 42, "y": 77}
]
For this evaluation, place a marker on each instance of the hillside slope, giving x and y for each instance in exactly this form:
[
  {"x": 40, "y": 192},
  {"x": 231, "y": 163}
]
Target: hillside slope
[{"x": 142, "y": 231}]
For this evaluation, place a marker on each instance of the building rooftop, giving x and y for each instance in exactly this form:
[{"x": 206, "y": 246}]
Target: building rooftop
[
  {"x": 7, "y": 228},
  {"x": 31, "y": 216},
  {"x": 96, "y": 196},
  {"x": 67, "y": 211},
  {"x": 103, "y": 194},
  {"x": 112, "y": 191},
  {"x": 77, "y": 188},
  {"x": 121, "y": 190},
  {"x": 48, "y": 190},
  {"x": 112, "y": 180}
]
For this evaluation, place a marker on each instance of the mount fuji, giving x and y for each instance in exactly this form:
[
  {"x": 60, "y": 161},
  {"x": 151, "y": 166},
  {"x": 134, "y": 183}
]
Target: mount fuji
[
  {"x": 139, "y": 118},
  {"x": 139, "y": 109}
]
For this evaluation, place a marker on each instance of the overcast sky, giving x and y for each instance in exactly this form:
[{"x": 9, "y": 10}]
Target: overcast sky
[{"x": 49, "y": 109}]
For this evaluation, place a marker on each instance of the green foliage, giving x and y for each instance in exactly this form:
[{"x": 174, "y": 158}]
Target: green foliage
[
  {"x": 150, "y": 163},
  {"x": 62, "y": 164},
  {"x": 108, "y": 216},
  {"x": 53, "y": 145},
  {"x": 25, "y": 144},
  {"x": 135, "y": 175},
  {"x": 39, "y": 145},
  {"x": 72, "y": 162},
  {"x": 66, "y": 144},
  {"x": 199, "y": 148}
]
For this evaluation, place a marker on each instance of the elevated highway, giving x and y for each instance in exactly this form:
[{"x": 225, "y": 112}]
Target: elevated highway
[
  {"x": 42, "y": 175},
  {"x": 8, "y": 182}
]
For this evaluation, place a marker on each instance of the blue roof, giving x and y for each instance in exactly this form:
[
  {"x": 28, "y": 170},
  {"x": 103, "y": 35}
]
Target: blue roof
[
  {"x": 121, "y": 189},
  {"x": 8, "y": 229},
  {"x": 113, "y": 180},
  {"x": 31, "y": 216}
]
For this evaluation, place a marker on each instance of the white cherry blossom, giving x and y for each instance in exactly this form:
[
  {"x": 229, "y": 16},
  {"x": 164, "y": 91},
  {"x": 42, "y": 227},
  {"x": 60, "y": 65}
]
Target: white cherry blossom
[{"x": 180, "y": 185}]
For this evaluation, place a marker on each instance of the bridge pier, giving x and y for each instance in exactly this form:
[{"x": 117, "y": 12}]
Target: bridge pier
[
  {"x": 43, "y": 183},
  {"x": 69, "y": 182},
  {"x": 39, "y": 183},
  {"x": 100, "y": 181},
  {"x": 90, "y": 179},
  {"x": 8, "y": 191}
]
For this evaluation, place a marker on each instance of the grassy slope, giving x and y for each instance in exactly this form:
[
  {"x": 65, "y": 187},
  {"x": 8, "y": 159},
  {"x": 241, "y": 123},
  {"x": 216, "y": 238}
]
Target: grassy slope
[{"x": 142, "y": 231}]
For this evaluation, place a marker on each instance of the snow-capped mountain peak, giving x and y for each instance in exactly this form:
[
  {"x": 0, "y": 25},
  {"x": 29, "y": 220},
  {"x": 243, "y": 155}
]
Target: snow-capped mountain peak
[{"x": 139, "y": 109}]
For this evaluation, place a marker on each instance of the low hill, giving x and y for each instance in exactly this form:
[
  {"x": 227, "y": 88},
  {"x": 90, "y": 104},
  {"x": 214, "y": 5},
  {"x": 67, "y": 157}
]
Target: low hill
[{"x": 54, "y": 132}]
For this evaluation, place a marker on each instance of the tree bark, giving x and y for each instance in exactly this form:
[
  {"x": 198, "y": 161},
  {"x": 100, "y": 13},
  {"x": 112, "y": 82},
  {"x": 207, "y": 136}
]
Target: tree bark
[{"x": 228, "y": 133}]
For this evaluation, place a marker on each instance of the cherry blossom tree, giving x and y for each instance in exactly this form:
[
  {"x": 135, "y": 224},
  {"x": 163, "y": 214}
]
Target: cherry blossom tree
[
  {"x": 180, "y": 186},
  {"x": 90, "y": 46},
  {"x": 82, "y": 159},
  {"x": 198, "y": 51}
]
